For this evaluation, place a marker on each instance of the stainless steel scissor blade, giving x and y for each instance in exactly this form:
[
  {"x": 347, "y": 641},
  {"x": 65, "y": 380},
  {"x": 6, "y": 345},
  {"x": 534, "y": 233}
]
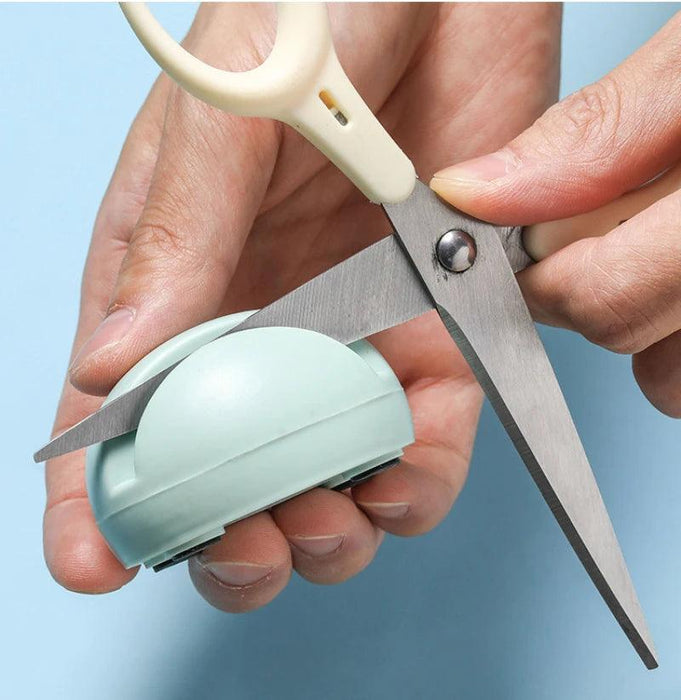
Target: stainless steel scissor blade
[
  {"x": 485, "y": 313},
  {"x": 375, "y": 289}
]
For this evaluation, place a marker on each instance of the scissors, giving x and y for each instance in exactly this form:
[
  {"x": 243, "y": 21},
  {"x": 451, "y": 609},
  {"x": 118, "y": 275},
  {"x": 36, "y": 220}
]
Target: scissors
[{"x": 436, "y": 258}]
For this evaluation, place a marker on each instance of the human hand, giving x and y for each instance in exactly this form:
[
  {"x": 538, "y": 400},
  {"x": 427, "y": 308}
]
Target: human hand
[
  {"x": 622, "y": 290},
  {"x": 202, "y": 203}
]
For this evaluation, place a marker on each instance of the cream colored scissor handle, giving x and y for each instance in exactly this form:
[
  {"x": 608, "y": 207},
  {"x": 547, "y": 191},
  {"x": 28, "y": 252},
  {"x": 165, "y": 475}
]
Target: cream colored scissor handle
[
  {"x": 300, "y": 83},
  {"x": 541, "y": 240}
]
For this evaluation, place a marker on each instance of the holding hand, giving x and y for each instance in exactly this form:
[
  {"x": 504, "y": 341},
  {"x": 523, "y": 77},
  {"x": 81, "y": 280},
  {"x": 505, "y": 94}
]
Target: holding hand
[
  {"x": 208, "y": 213},
  {"x": 622, "y": 290}
]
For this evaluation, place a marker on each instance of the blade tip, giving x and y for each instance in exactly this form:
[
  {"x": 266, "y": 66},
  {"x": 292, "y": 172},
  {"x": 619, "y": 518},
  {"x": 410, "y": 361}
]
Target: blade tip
[
  {"x": 650, "y": 661},
  {"x": 54, "y": 448},
  {"x": 649, "y": 657},
  {"x": 42, "y": 455},
  {"x": 643, "y": 644}
]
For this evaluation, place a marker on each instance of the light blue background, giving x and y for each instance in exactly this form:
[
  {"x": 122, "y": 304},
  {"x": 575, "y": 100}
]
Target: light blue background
[{"x": 493, "y": 604}]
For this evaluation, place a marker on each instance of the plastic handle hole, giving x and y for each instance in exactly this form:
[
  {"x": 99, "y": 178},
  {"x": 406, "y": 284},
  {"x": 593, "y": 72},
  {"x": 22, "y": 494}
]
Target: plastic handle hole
[{"x": 330, "y": 103}]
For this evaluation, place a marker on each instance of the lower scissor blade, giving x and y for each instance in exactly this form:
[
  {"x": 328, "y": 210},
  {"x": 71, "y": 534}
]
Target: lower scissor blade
[
  {"x": 485, "y": 313},
  {"x": 516, "y": 375},
  {"x": 375, "y": 289}
]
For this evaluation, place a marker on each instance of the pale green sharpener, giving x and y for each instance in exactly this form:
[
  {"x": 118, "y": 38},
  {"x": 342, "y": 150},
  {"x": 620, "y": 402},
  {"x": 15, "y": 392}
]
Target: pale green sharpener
[{"x": 246, "y": 421}]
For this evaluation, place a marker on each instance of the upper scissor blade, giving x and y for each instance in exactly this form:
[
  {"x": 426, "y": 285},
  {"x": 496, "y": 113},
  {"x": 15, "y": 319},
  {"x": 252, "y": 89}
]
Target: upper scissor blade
[
  {"x": 373, "y": 290},
  {"x": 486, "y": 315},
  {"x": 120, "y": 416}
]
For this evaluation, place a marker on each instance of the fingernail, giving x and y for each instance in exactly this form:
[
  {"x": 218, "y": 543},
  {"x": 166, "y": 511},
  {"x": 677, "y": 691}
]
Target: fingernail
[
  {"x": 110, "y": 331},
  {"x": 318, "y": 546},
  {"x": 473, "y": 172},
  {"x": 385, "y": 510},
  {"x": 237, "y": 573}
]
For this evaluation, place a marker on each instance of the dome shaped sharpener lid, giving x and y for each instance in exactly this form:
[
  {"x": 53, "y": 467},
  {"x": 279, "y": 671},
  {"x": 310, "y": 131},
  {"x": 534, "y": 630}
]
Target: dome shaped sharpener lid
[{"x": 246, "y": 421}]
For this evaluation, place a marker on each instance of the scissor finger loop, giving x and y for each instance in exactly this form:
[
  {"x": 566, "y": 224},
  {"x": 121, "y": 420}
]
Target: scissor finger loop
[{"x": 302, "y": 84}]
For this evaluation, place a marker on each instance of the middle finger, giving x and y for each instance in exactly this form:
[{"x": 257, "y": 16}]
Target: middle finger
[
  {"x": 330, "y": 538},
  {"x": 622, "y": 290}
]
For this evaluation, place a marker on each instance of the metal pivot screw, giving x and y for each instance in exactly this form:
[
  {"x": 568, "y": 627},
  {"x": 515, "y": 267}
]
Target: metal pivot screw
[{"x": 456, "y": 250}]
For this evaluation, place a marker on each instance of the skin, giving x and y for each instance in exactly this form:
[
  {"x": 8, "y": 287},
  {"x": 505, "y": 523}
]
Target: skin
[
  {"x": 622, "y": 290},
  {"x": 200, "y": 204}
]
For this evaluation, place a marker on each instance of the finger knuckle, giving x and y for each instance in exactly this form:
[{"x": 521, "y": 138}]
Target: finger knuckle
[
  {"x": 156, "y": 239},
  {"x": 587, "y": 124},
  {"x": 660, "y": 382},
  {"x": 615, "y": 331}
]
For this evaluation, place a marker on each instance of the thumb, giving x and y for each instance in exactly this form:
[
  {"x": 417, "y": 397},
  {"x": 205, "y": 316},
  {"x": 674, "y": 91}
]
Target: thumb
[
  {"x": 204, "y": 195},
  {"x": 603, "y": 140}
]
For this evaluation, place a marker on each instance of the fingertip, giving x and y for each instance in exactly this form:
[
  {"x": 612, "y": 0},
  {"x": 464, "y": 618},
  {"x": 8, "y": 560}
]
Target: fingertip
[
  {"x": 105, "y": 355},
  {"x": 477, "y": 172},
  {"x": 246, "y": 569},
  {"x": 97, "y": 370},
  {"x": 455, "y": 191},
  {"x": 473, "y": 185},
  {"x": 657, "y": 370},
  {"x": 407, "y": 500},
  {"x": 331, "y": 539},
  {"x": 93, "y": 378},
  {"x": 77, "y": 554}
]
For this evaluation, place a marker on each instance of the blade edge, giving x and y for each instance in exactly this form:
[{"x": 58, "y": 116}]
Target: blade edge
[
  {"x": 484, "y": 312},
  {"x": 120, "y": 416},
  {"x": 371, "y": 291}
]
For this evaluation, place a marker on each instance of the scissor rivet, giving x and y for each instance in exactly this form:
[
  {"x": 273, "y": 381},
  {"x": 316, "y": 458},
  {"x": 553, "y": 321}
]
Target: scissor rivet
[{"x": 456, "y": 250}]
